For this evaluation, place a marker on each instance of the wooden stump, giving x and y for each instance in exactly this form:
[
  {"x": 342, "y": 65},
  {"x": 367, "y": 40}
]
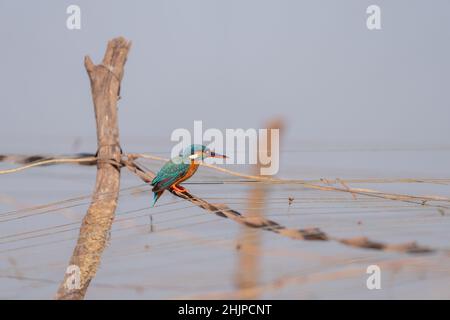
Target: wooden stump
[{"x": 95, "y": 229}]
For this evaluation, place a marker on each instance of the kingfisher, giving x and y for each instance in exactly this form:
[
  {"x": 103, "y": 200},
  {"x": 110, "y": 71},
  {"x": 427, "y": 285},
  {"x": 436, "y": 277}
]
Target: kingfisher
[{"x": 180, "y": 168}]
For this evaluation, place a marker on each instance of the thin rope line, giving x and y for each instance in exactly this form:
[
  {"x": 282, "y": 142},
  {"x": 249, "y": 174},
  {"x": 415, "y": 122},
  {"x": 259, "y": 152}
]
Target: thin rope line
[{"x": 49, "y": 161}]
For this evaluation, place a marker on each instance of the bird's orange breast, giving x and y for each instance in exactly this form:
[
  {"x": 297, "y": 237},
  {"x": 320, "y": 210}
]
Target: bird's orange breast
[{"x": 192, "y": 169}]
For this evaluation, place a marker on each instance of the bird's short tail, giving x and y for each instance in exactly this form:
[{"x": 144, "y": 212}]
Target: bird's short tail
[{"x": 156, "y": 196}]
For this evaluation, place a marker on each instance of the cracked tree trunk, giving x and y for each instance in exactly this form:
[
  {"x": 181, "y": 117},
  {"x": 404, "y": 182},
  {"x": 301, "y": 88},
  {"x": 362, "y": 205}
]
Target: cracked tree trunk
[{"x": 105, "y": 81}]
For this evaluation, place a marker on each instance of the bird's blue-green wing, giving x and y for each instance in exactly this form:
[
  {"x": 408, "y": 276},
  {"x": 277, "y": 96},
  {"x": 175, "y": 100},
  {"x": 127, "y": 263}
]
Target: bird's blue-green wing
[{"x": 168, "y": 175}]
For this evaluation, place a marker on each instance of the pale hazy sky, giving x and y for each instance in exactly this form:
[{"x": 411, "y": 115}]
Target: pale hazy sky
[{"x": 232, "y": 64}]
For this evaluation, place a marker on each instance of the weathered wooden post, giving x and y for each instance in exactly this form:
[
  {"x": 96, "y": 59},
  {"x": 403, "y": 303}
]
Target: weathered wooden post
[
  {"x": 249, "y": 240},
  {"x": 105, "y": 85}
]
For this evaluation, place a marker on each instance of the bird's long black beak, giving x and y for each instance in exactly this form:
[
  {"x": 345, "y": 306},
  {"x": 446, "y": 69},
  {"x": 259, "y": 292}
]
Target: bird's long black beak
[{"x": 217, "y": 155}]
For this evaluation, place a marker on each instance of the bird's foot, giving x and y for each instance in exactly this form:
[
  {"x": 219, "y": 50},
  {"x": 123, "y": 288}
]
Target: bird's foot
[{"x": 179, "y": 188}]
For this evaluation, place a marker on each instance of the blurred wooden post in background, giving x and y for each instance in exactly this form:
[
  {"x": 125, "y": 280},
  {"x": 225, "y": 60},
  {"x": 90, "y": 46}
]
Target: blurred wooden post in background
[
  {"x": 94, "y": 232},
  {"x": 249, "y": 240}
]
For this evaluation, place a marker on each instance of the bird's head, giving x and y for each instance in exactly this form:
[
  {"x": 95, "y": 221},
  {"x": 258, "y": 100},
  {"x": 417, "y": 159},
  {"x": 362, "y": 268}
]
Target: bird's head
[{"x": 200, "y": 152}]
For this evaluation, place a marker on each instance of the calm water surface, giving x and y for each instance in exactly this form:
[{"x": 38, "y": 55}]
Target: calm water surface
[{"x": 177, "y": 250}]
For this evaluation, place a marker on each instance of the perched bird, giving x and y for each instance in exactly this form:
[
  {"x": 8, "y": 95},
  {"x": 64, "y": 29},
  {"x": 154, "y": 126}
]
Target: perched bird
[{"x": 180, "y": 168}]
